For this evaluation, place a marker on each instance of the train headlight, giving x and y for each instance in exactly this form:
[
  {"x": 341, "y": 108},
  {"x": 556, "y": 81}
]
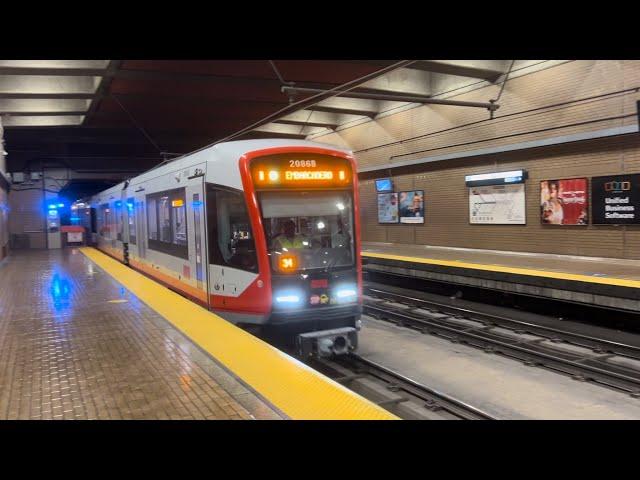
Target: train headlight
[
  {"x": 288, "y": 298},
  {"x": 273, "y": 175},
  {"x": 346, "y": 293}
]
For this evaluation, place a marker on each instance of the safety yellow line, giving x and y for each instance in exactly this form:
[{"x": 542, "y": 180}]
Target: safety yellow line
[
  {"x": 519, "y": 271},
  {"x": 288, "y": 384}
]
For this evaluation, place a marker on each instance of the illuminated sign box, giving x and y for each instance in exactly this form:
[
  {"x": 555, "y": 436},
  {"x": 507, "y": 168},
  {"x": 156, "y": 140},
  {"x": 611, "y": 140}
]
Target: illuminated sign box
[
  {"x": 295, "y": 171},
  {"x": 384, "y": 185},
  {"x": 498, "y": 178}
]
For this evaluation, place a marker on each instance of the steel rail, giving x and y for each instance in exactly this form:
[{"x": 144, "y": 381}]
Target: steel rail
[
  {"x": 435, "y": 400},
  {"x": 529, "y": 351},
  {"x": 600, "y": 345}
]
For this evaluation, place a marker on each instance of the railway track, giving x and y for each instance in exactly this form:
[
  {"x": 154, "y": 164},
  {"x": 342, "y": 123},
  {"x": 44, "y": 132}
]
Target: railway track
[
  {"x": 401, "y": 395},
  {"x": 585, "y": 358}
]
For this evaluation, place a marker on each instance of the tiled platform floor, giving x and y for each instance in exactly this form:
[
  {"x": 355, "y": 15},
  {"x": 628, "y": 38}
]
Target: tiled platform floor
[{"x": 76, "y": 345}]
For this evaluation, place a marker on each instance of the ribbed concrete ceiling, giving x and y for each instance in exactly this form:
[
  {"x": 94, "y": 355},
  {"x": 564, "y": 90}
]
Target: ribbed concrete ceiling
[{"x": 130, "y": 114}]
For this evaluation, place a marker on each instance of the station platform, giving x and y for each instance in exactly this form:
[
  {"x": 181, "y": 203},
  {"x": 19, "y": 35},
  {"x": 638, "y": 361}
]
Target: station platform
[
  {"x": 606, "y": 282},
  {"x": 85, "y": 337}
]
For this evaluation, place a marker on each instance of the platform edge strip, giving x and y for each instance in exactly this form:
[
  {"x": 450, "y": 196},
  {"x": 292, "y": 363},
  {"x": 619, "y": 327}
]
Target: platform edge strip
[
  {"x": 288, "y": 384},
  {"x": 621, "y": 282}
]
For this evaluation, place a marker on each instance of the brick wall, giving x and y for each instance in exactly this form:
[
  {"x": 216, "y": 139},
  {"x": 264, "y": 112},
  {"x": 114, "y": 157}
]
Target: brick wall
[{"x": 526, "y": 109}]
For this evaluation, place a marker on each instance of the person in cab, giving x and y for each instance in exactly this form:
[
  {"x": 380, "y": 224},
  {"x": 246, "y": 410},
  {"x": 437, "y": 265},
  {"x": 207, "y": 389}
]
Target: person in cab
[{"x": 289, "y": 238}]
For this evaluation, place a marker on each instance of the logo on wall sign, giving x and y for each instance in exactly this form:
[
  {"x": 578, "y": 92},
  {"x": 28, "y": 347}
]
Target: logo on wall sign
[{"x": 617, "y": 186}]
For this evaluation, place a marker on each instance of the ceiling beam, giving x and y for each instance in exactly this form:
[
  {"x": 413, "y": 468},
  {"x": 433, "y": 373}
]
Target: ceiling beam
[
  {"x": 345, "y": 110},
  {"x": 103, "y": 89},
  {"x": 48, "y": 95},
  {"x": 460, "y": 70},
  {"x": 392, "y": 97},
  {"x": 332, "y": 126},
  {"x": 39, "y": 114},
  {"x": 66, "y": 72},
  {"x": 263, "y": 134}
]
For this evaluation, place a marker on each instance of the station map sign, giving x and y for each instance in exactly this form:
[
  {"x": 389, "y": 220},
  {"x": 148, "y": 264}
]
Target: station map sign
[
  {"x": 564, "y": 202},
  {"x": 616, "y": 200},
  {"x": 497, "y": 204}
]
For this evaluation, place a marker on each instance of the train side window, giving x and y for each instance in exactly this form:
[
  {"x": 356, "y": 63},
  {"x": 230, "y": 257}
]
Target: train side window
[
  {"x": 131, "y": 220},
  {"x": 167, "y": 222},
  {"x": 105, "y": 226},
  {"x": 164, "y": 219},
  {"x": 179, "y": 218},
  {"x": 152, "y": 219},
  {"x": 118, "y": 218},
  {"x": 231, "y": 240}
]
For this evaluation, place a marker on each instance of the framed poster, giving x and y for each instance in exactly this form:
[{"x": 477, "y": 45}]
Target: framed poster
[
  {"x": 564, "y": 202},
  {"x": 411, "y": 206},
  {"x": 497, "y": 205},
  {"x": 387, "y": 208},
  {"x": 615, "y": 200}
]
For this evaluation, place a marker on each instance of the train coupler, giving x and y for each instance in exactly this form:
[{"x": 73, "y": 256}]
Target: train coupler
[{"x": 325, "y": 343}]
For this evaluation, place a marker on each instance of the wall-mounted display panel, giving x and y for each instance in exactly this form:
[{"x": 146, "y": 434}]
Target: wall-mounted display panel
[
  {"x": 615, "y": 200},
  {"x": 411, "y": 205},
  {"x": 564, "y": 202},
  {"x": 387, "y": 208},
  {"x": 497, "y": 205}
]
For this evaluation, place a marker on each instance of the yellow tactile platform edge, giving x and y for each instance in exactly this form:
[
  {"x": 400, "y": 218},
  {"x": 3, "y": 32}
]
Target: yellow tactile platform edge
[
  {"x": 621, "y": 282},
  {"x": 289, "y": 385}
]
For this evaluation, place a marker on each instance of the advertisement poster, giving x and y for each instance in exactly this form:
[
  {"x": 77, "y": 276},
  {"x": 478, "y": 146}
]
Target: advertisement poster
[
  {"x": 497, "y": 205},
  {"x": 564, "y": 202},
  {"x": 387, "y": 208},
  {"x": 616, "y": 200},
  {"x": 411, "y": 206}
]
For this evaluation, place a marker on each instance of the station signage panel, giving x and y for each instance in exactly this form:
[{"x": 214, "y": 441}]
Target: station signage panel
[
  {"x": 497, "y": 205},
  {"x": 497, "y": 178},
  {"x": 300, "y": 171},
  {"x": 384, "y": 185},
  {"x": 616, "y": 200}
]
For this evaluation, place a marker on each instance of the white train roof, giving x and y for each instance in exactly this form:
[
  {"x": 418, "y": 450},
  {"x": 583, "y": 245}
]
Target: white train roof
[{"x": 221, "y": 159}]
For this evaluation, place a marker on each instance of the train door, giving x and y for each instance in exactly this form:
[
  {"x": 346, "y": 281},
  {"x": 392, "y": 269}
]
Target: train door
[
  {"x": 123, "y": 225},
  {"x": 196, "y": 235},
  {"x": 141, "y": 232},
  {"x": 233, "y": 263}
]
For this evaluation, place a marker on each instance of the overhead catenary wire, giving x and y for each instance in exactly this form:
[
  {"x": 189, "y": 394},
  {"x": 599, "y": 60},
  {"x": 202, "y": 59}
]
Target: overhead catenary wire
[{"x": 137, "y": 125}]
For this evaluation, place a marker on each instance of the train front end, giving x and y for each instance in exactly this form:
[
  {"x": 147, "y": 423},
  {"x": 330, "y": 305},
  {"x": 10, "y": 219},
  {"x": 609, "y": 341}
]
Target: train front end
[{"x": 307, "y": 205}]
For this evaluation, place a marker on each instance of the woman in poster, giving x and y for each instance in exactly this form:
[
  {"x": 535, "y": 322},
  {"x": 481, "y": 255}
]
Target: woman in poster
[{"x": 550, "y": 203}]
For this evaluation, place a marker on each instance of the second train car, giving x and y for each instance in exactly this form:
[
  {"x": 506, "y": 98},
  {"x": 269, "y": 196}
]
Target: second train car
[{"x": 263, "y": 232}]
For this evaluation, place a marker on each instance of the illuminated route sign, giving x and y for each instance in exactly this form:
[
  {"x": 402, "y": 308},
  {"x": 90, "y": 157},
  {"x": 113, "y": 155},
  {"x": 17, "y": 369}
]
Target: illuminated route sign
[{"x": 300, "y": 171}]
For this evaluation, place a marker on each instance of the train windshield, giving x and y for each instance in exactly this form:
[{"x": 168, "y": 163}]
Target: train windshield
[{"x": 310, "y": 230}]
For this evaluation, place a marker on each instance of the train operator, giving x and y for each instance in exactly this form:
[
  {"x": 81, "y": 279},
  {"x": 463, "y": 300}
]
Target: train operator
[{"x": 289, "y": 239}]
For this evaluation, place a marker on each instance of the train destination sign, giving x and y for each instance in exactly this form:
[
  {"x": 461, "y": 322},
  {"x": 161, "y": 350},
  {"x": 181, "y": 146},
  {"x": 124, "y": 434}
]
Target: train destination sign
[
  {"x": 315, "y": 171},
  {"x": 616, "y": 200}
]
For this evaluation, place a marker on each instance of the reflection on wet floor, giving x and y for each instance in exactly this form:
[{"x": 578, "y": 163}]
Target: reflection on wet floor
[{"x": 75, "y": 344}]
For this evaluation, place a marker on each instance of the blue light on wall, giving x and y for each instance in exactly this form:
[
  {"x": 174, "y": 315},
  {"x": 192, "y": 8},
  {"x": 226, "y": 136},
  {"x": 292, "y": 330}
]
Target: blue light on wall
[{"x": 196, "y": 204}]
